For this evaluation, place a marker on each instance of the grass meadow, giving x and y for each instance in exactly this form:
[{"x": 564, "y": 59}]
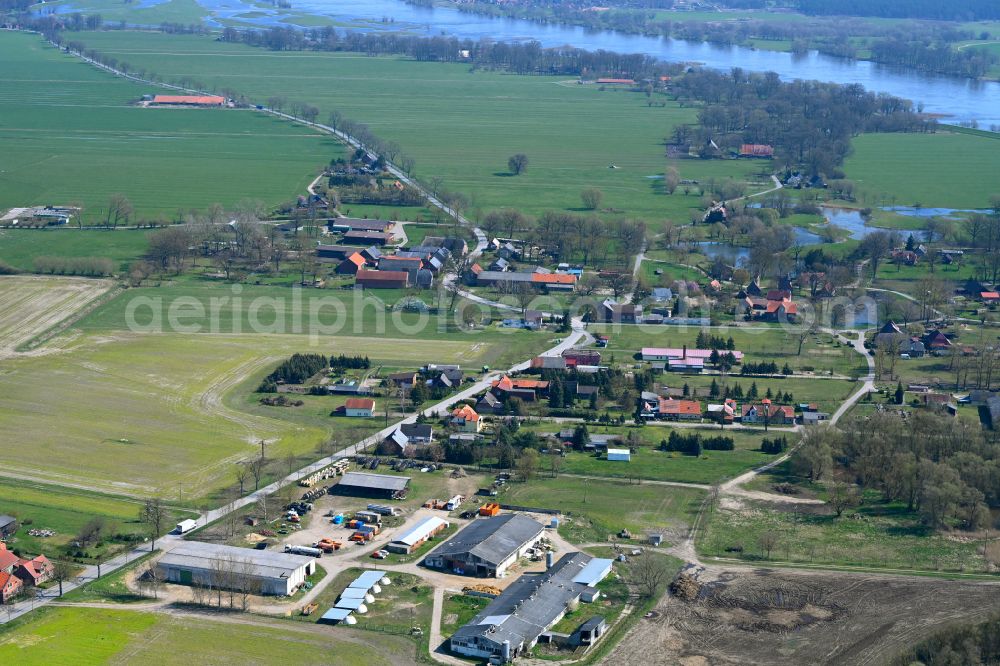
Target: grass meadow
[
  {"x": 649, "y": 463},
  {"x": 596, "y": 509},
  {"x": 65, "y": 510},
  {"x": 572, "y": 134},
  {"x": 20, "y": 247},
  {"x": 90, "y": 636},
  {"x": 70, "y": 134},
  {"x": 946, "y": 169}
]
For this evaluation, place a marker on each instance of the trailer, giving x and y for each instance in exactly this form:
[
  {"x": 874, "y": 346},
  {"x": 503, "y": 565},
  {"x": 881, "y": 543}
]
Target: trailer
[
  {"x": 383, "y": 510},
  {"x": 186, "y": 526},
  {"x": 454, "y": 503},
  {"x": 304, "y": 550},
  {"x": 368, "y": 517}
]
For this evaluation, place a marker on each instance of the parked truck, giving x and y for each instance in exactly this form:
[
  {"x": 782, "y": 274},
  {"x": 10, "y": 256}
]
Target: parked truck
[
  {"x": 186, "y": 526},
  {"x": 304, "y": 550}
]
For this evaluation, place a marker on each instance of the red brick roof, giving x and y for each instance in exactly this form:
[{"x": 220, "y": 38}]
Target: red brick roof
[
  {"x": 756, "y": 150},
  {"x": 356, "y": 259},
  {"x": 466, "y": 413},
  {"x": 680, "y": 406},
  {"x": 203, "y": 100},
  {"x": 381, "y": 276},
  {"x": 553, "y": 278},
  {"x": 359, "y": 403}
]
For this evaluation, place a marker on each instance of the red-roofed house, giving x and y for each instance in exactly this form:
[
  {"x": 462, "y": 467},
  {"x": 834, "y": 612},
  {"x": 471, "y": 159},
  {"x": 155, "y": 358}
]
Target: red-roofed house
[
  {"x": 679, "y": 410},
  {"x": 990, "y": 296},
  {"x": 10, "y": 587},
  {"x": 363, "y": 407},
  {"x": 8, "y": 560},
  {"x": 769, "y": 413},
  {"x": 936, "y": 340},
  {"x": 351, "y": 265},
  {"x": 35, "y": 571},
  {"x": 466, "y": 419},
  {"x": 525, "y": 389},
  {"x": 756, "y": 150}
]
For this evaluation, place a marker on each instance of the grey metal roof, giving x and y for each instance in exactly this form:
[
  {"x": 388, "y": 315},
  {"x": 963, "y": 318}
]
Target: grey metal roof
[
  {"x": 375, "y": 481},
  {"x": 529, "y": 605},
  {"x": 492, "y": 540},
  {"x": 266, "y": 563},
  {"x": 417, "y": 430},
  {"x": 593, "y": 623},
  {"x": 594, "y": 572},
  {"x": 354, "y": 593},
  {"x": 7, "y": 520}
]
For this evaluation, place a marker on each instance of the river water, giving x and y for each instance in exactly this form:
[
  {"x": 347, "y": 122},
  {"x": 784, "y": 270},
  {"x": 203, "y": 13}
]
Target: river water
[{"x": 958, "y": 99}]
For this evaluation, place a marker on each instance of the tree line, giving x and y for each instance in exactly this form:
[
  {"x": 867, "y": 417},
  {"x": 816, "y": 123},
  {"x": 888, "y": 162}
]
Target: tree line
[
  {"x": 693, "y": 444},
  {"x": 294, "y": 370},
  {"x": 944, "y": 469}
]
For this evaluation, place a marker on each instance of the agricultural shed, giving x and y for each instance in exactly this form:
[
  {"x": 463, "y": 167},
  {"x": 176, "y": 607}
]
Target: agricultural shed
[
  {"x": 417, "y": 535},
  {"x": 594, "y": 572},
  {"x": 356, "y": 605},
  {"x": 619, "y": 455},
  {"x": 363, "y": 484},
  {"x": 367, "y": 580},
  {"x": 199, "y": 563},
  {"x": 488, "y": 547},
  {"x": 335, "y": 615}
]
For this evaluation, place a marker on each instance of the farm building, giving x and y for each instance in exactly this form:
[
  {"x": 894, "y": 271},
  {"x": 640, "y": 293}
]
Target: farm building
[
  {"x": 488, "y": 547},
  {"x": 417, "y": 535},
  {"x": 335, "y": 252},
  {"x": 682, "y": 353},
  {"x": 351, "y": 265},
  {"x": 363, "y": 407},
  {"x": 382, "y": 279},
  {"x": 756, "y": 150},
  {"x": 361, "y": 224},
  {"x": 513, "y": 622},
  {"x": 209, "y": 564},
  {"x": 188, "y": 100},
  {"x": 361, "y": 484},
  {"x": 8, "y": 525},
  {"x": 619, "y": 455},
  {"x": 367, "y": 238},
  {"x": 10, "y": 586}
]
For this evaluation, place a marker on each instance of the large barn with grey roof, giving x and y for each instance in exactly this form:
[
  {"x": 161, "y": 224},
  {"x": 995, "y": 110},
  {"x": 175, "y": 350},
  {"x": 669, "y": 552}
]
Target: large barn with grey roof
[{"x": 488, "y": 547}]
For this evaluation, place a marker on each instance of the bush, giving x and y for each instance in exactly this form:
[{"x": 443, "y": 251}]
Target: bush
[
  {"x": 294, "y": 370},
  {"x": 88, "y": 266}
]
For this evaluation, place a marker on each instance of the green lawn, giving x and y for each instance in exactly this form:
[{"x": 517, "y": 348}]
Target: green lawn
[
  {"x": 945, "y": 169},
  {"x": 19, "y": 247},
  {"x": 91, "y": 636},
  {"x": 571, "y": 133},
  {"x": 649, "y": 463},
  {"x": 595, "y": 509},
  {"x": 71, "y": 135},
  {"x": 65, "y": 510},
  {"x": 459, "y": 609}
]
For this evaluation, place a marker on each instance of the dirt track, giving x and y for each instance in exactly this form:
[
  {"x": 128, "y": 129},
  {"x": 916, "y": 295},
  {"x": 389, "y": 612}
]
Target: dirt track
[{"x": 766, "y": 616}]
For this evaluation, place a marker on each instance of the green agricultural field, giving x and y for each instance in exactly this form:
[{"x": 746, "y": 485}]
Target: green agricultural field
[
  {"x": 213, "y": 306},
  {"x": 65, "y": 511},
  {"x": 571, "y": 133},
  {"x": 70, "y": 134},
  {"x": 945, "y": 169},
  {"x": 91, "y": 636},
  {"x": 595, "y": 509},
  {"x": 19, "y": 247},
  {"x": 131, "y": 399}
]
